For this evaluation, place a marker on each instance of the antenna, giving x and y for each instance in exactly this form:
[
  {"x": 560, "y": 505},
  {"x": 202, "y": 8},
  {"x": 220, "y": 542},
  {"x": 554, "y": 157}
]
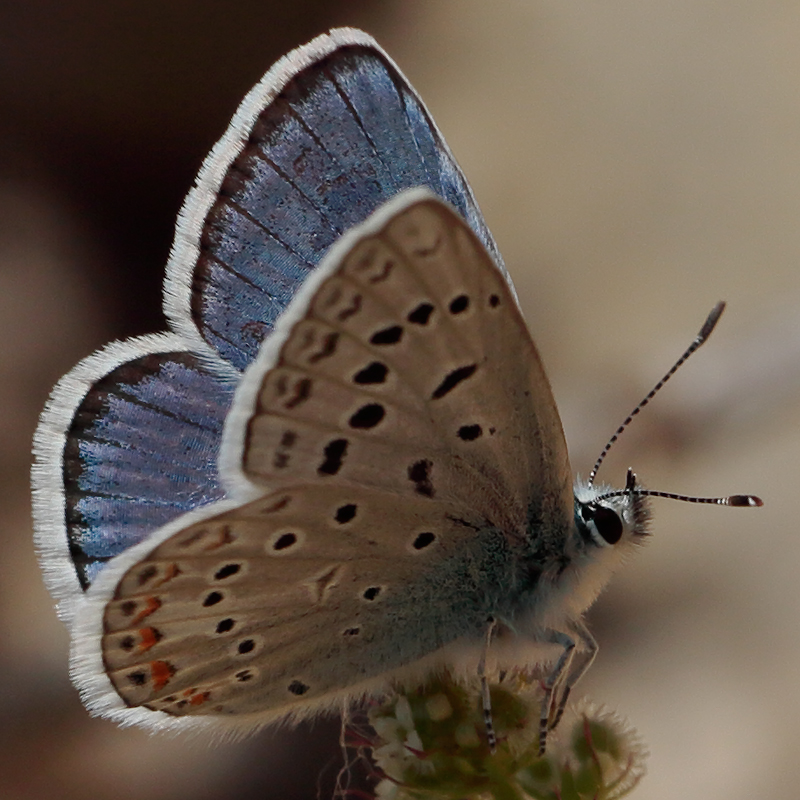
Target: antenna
[
  {"x": 700, "y": 339},
  {"x": 740, "y": 500}
]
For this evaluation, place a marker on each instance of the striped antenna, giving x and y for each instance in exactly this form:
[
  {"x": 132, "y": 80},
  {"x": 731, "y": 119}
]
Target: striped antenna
[
  {"x": 700, "y": 339},
  {"x": 739, "y": 500}
]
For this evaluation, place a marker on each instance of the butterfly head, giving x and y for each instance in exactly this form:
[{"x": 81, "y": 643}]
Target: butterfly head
[
  {"x": 608, "y": 526},
  {"x": 605, "y": 518}
]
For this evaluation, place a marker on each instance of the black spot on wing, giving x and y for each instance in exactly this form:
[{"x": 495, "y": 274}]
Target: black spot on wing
[
  {"x": 459, "y": 304},
  {"x": 375, "y": 372},
  {"x": 452, "y": 380},
  {"x": 227, "y": 571},
  {"x": 346, "y": 513},
  {"x": 285, "y": 541},
  {"x": 469, "y": 433},
  {"x": 335, "y": 452},
  {"x": 421, "y": 314},
  {"x": 367, "y": 416},
  {"x": 419, "y": 473},
  {"x": 386, "y": 336},
  {"x": 424, "y": 540}
]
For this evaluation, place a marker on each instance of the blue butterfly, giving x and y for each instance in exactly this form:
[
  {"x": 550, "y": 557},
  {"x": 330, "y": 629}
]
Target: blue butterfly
[{"x": 343, "y": 467}]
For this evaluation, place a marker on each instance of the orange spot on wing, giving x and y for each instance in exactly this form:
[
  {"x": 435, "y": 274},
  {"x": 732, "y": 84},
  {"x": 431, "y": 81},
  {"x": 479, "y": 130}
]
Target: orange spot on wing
[
  {"x": 199, "y": 698},
  {"x": 147, "y": 638},
  {"x": 151, "y": 604},
  {"x": 161, "y": 672}
]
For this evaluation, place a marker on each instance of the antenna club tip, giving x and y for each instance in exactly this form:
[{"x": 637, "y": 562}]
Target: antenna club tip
[
  {"x": 711, "y": 321},
  {"x": 749, "y": 500}
]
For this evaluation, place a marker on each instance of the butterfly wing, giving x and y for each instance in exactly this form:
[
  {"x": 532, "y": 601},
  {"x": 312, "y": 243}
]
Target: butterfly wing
[
  {"x": 405, "y": 365},
  {"x": 286, "y": 603},
  {"x": 400, "y": 445},
  {"x": 332, "y": 131},
  {"x": 103, "y": 479}
]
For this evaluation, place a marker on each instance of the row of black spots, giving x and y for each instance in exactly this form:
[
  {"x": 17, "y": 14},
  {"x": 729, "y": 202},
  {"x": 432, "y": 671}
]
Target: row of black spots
[
  {"x": 419, "y": 473},
  {"x": 453, "y": 379},
  {"x": 423, "y": 312},
  {"x": 421, "y": 315},
  {"x": 367, "y": 417},
  {"x": 335, "y": 452},
  {"x": 373, "y": 374}
]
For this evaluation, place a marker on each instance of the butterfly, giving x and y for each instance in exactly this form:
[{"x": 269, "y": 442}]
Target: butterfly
[{"x": 343, "y": 467}]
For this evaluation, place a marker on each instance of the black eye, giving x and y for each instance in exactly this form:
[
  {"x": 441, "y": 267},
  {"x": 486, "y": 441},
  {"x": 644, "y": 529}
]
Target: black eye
[{"x": 607, "y": 522}]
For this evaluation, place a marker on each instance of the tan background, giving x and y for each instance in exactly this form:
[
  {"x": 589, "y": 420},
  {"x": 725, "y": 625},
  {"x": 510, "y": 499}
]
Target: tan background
[{"x": 636, "y": 161}]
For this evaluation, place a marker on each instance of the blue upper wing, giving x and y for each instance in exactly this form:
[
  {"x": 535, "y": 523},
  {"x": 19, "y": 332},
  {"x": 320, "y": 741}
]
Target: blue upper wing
[
  {"x": 141, "y": 449},
  {"x": 344, "y": 135}
]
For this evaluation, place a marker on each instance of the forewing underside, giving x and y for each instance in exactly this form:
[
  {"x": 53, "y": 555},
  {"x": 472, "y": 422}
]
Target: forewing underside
[{"x": 412, "y": 371}]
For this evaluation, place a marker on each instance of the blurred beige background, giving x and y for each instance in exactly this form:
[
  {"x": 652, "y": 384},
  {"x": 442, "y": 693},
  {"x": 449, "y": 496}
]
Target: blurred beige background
[{"x": 636, "y": 161}]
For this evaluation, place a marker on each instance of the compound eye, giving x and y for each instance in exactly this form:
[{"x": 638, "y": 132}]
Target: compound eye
[{"x": 608, "y": 524}]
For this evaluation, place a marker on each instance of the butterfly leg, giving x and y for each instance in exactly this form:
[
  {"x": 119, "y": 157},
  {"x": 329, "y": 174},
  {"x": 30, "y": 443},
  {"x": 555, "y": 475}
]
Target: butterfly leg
[
  {"x": 486, "y": 699},
  {"x": 570, "y": 667}
]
